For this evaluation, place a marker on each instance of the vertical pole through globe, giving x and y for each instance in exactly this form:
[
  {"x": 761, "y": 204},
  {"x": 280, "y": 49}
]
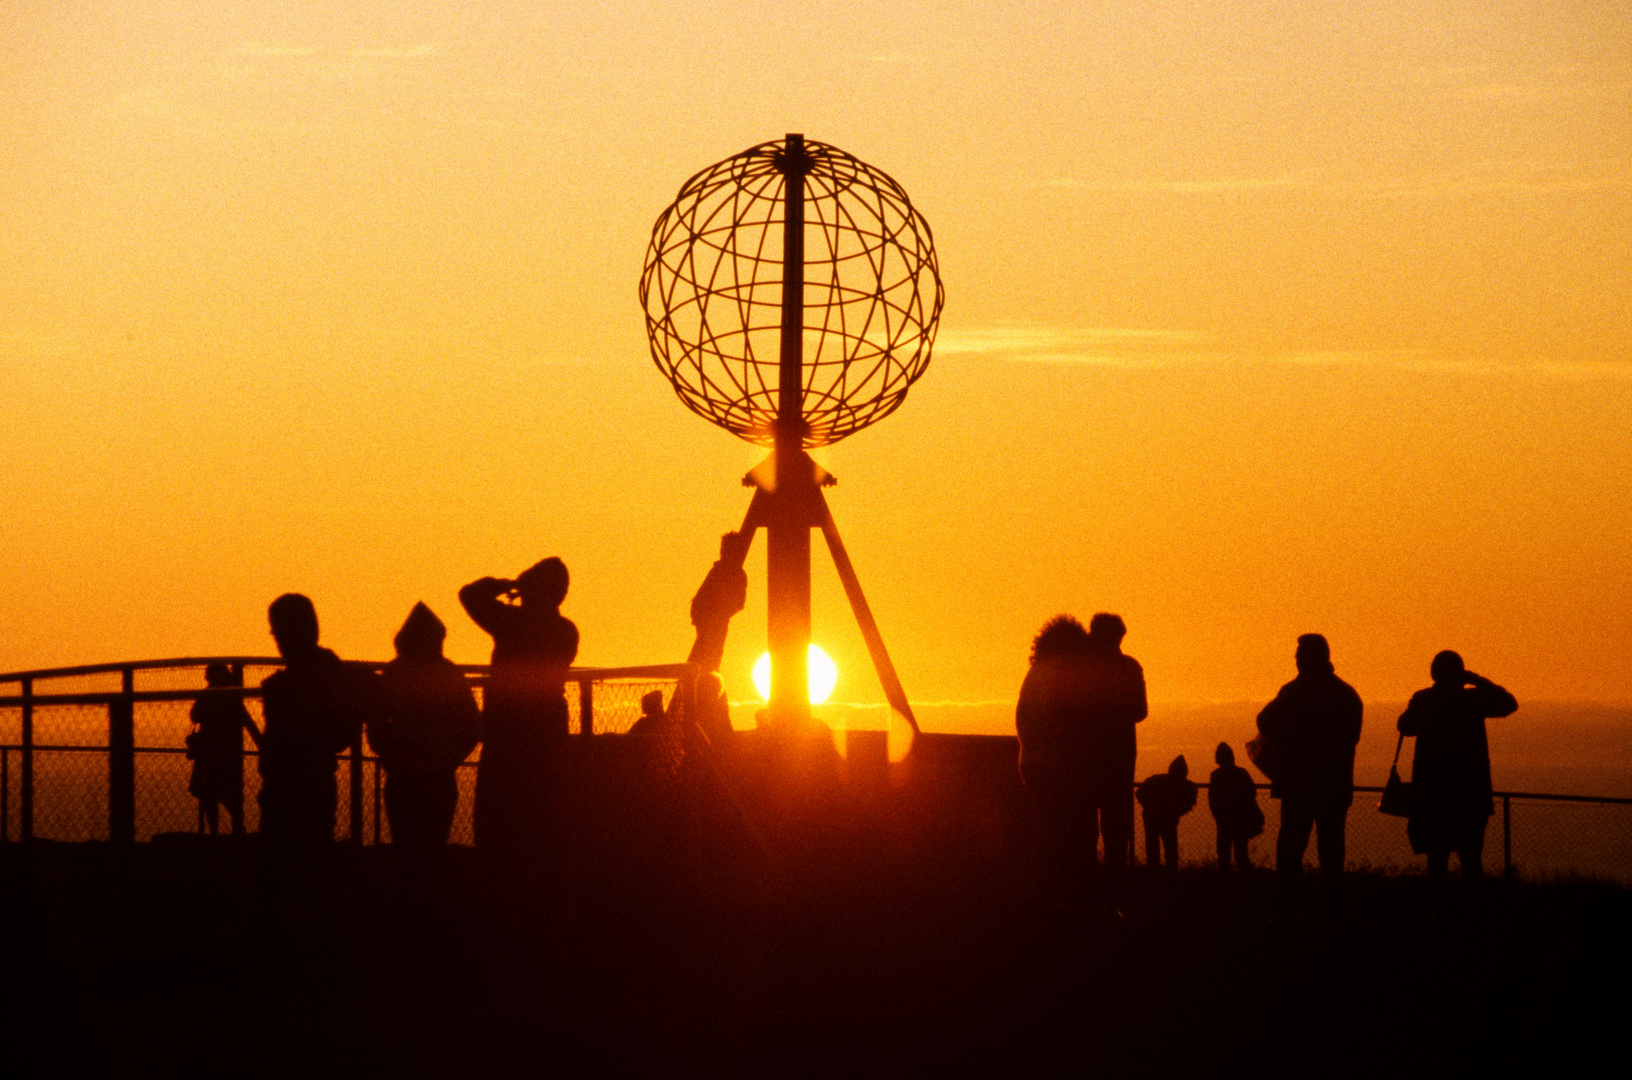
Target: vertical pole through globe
[{"x": 788, "y": 539}]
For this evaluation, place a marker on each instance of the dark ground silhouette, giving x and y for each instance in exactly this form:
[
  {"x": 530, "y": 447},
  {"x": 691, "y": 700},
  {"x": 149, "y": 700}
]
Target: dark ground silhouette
[
  {"x": 867, "y": 964},
  {"x": 857, "y": 930}
]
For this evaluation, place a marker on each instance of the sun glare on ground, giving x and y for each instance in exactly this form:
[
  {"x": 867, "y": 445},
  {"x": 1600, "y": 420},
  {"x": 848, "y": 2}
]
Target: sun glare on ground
[{"x": 824, "y": 675}]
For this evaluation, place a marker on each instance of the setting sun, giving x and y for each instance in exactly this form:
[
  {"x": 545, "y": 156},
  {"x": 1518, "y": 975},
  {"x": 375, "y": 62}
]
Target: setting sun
[{"x": 824, "y": 675}]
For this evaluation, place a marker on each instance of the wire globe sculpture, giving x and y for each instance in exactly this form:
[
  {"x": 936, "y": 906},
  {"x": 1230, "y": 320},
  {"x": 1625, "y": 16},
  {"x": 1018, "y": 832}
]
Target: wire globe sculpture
[{"x": 712, "y": 293}]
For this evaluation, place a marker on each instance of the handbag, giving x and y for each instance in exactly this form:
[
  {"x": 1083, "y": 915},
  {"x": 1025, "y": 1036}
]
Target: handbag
[
  {"x": 1396, "y": 800},
  {"x": 1264, "y": 753}
]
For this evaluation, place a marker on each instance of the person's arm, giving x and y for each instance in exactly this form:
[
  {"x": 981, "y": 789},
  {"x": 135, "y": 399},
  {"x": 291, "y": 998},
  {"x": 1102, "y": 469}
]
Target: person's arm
[
  {"x": 1411, "y": 720},
  {"x": 481, "y": 601},
  {"x": 1138, "y": 707},
  {"x": 1272, "y": 717},
  {"x": 1493, "y": 701},
  {"x": 1355, "y": 718}
]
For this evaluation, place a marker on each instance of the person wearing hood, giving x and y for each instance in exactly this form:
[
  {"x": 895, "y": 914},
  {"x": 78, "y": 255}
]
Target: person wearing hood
[
  {"x": 426, "y": 726},
  {"x": 521, "y": 779},
  {"x": 1314, "y": 725},
  {"x": 1165, "y": 798},
  {"x": 1232, "y": 796},
  {"x": 313, "y": 709}
]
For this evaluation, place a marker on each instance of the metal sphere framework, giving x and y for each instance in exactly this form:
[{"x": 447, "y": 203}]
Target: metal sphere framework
[{"x": 712, "y": 293}]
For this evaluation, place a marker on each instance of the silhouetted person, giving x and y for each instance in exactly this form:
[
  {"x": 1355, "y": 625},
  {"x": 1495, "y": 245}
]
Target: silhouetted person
[
  {"x": 651, "y": 715},
  {"x": 313, "y": 709},
  {"x": 520, "y": 780},
  {"x": 426, "y": 725},
  {"x": 1314, "y": 724},
  {"x": 1078, "y": 706},
  {"x": 1232, "y": 796},
  {"x": 1166, "y": 797},
  {"x": 1451, "y": 801},
  {"x": 723, "y": 593},
  {"x": 217, "y": 749}
]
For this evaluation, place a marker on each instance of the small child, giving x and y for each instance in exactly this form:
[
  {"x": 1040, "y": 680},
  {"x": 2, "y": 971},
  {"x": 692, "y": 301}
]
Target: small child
[
  {"x": 216, "y": 747},
  {"x": 1233, "y": 798},
  {"x": 1166, "y": 797}
]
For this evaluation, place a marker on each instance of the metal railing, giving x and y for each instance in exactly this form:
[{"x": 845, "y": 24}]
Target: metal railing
[
  {"x": 1539, "y": 835},
  {"x": 97, "y": 710}
]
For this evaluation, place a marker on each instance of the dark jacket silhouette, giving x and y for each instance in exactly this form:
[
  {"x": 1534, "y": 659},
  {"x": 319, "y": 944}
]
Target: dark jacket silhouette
[
  {"x": 313, "y": 710},
  {"x": 426, "y": 725},
  {"x": 1450, "y": 771},
  {"x": 1314, "y": 723},
  {"x": 520, "y": 778},
  {"x": 1165, "y": 798},
  {"x": 216, "y": 747},
  {"x": 723, "y": 593},
  {"x": 652, "y": 720},
  {"x": 1078, "y": 706},
  {"x": 1232, "y": 797}
]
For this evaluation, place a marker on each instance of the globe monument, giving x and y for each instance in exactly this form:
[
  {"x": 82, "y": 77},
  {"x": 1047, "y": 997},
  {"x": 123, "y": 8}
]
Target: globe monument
[{"x": 791, "y": 295}]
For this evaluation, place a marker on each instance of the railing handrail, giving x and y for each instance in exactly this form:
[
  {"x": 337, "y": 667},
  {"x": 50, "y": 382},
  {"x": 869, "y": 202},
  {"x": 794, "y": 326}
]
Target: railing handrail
[{"x": 574, "y": 674}]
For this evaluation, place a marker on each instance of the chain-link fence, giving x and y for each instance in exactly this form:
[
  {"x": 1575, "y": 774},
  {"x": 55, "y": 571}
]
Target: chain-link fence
[
  {"x": 62, "y": 747},
  {"x": 1533, "y": 835},
  {"x": 59, "y": 780}
]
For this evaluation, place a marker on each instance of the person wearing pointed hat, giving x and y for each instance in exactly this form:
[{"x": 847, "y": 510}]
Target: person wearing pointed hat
[
  {"x": 426, "y": 726},
  {"x": 1165, "y": 798},
  {"x": 520, "y": 780}
]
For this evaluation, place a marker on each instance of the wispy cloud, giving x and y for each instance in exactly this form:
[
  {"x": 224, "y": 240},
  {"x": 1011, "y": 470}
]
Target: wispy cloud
[
  {"x": 1156, "y": 349},
  {"x": 1217, "y": 185},
  {"x": 1105, "y": 346}
]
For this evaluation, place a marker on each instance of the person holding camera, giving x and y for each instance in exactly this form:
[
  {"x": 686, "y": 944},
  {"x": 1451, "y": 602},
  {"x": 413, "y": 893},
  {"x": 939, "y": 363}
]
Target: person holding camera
[
  {"x": 521, "y": 777},
  {"x": 1450, "y": 769}
]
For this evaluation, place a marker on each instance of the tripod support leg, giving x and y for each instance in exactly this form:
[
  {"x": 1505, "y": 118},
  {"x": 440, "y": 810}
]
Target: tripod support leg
[{"x": 893, "y": 693}]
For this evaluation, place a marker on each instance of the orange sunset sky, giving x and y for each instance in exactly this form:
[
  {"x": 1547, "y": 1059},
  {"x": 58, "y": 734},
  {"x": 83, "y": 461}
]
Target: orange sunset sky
[{"x": 1262, "y": 318}]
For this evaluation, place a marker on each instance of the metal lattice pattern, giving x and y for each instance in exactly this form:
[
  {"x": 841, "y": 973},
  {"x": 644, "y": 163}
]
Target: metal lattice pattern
[{"x": 712, "y": 293}]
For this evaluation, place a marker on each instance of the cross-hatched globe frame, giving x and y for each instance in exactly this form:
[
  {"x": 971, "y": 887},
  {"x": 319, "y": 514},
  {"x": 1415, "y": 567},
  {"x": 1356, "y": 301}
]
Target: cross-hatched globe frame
[{"x": 712, "y": 293}]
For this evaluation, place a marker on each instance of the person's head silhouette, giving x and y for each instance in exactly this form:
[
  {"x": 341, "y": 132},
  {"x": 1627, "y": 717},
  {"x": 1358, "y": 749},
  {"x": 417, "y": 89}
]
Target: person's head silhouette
[
  {"x": 1314, "y": 655},
  {"x": 651, "y": 703},
  {"x": 543, "y": 584},
  {"x": 1107, "y": 629},
  {"x": 1179, "y": 767},
  {"x": 421, "y": 635},
  {"x": 294, "y": 625},
  {"x": 1061, "y": 636},
  {"x": 1224, "y": 755},
  {"x": 1448, "y": 669}
]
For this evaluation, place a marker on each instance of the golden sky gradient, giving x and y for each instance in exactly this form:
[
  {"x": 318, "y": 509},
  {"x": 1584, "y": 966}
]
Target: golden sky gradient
[{"x": 1263, "y": 318}]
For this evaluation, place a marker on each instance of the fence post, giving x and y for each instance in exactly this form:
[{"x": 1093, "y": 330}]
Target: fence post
[
  {"x": 1507, "y": 836},
  {"x": 122, "y": 762},
  {"x": 376, "y": 802},
  {"x": 28, "y": 762},
  {"x": 356, "y": 792},
  {"x": 586, "y": 707}
]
